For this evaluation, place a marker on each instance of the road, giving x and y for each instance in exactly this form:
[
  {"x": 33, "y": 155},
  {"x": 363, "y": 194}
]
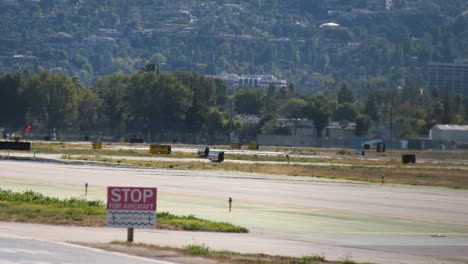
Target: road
[
  {"x": 21, "y": 250},
  {"x": 286, "y": 215}
]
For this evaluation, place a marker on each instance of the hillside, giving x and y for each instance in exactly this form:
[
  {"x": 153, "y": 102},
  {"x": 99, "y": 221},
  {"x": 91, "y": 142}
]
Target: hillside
[{"x": 367, "y": 43}]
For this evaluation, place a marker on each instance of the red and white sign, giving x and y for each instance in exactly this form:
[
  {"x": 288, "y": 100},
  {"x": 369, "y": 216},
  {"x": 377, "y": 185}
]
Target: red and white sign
[
  {"x": 131, "y": 198},
  {"x": 131, "y": 207}
]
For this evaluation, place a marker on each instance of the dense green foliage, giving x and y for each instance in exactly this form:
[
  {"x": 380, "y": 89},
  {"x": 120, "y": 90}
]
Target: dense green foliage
[
  {"x": 373, "y": 45},
  {"x": 120, "y": 104},
  {"x": 34, "y": 207},
  {"x": 193, "y": 108},
  {"x": 192, "y": 223},
  {"x": 38, "y": 198}
]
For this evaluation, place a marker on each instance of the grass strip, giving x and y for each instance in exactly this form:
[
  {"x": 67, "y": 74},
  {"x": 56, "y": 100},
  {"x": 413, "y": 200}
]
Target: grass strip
[
  {"x": 399, "y": 174},
  {"x": 33, "y": 207},
  {"x": 192, "y": 223},
  {"x": 142, "y": 150},
  {"x": 232, "y": 257}
]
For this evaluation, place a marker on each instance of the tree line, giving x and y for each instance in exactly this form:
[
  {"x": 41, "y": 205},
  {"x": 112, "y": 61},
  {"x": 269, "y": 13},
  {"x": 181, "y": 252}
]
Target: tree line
[{"x": 190, "y": 106}]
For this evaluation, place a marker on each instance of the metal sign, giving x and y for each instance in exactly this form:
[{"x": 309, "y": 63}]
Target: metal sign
[
  {"x": 160, "y": 149},
  {"x": 97, "y": 145},
  {"x": 132, "y": 207}
]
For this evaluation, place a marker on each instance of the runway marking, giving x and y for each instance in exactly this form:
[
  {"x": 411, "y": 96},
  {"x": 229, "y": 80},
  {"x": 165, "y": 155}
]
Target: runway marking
[
  {"x": 24, "y": 262},
  {"x": 24, "y": 251}
]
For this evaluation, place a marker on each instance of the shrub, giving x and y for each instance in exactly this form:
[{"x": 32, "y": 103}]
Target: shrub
[{"x": 197, "y": 250}]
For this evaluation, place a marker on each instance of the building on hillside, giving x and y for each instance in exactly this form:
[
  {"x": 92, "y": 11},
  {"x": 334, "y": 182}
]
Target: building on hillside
[
  {"x": 329, "y": 25},
  {"x": 452, "y": 134},
  {"x": 260, "y": 81},
  {"x": 450, "y": 76}
]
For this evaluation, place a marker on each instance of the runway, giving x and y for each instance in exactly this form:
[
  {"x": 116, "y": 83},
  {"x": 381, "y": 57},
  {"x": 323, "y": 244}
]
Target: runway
[{"x": 309, "y": 216}]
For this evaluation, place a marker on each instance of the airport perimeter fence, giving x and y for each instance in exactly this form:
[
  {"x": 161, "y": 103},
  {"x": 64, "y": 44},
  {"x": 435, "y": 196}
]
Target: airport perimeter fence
[{"x": 91, "y": 136}]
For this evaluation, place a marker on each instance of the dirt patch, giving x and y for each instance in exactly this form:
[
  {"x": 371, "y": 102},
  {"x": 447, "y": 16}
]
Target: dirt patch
[
  {"x": 153, "y": 252},
  {"x": 178, "y": 255}
]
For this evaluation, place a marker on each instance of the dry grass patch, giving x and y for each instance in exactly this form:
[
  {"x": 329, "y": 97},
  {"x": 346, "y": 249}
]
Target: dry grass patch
[
  {"x": 394, "y": 173},
  {"x": 201, "y": 254}
]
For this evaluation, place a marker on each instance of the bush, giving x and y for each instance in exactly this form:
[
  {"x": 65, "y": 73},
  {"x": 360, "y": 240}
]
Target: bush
[
  {"x": 37, "y": 198},
  {"x": 197, "y": 250}
]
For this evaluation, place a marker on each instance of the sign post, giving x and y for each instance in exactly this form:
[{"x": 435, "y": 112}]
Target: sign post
[{"x": 131, "y": 207}]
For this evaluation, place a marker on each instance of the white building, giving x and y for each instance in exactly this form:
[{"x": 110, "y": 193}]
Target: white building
[
  {"x": 262, "y": 81},
  {"x": 449, "y": 133}
]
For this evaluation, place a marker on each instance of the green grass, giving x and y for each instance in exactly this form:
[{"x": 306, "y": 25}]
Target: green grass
[
  {"x": 33, "y": 207},
  {"x": 197, "y": 250},
  {"x": 231, "y": 257},
  {"x": 192, "y": 223},
  {"x": 38, "y": 198}
]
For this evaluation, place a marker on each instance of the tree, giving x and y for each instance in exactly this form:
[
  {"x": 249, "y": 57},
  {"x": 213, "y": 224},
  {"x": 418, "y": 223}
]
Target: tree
[
  {"x": 345, "y": 111},
  {"x": 449, "y": 104},
  {"x": 411, "y": 92},
  {"x": 52, "y": 100},
  {"x": 271, "y": 97},
  {"x": 318, "y": 109},
  {"x": 293, "y": 108},
  {"x": 150, "y": 67},
  {"x": 220, "y": 92},
  {"x": 345, "y": 95},
  {"x": 89, "y": 110},
  {"x": 158, "y": 59},
  {"x": 438, "y": 111},
  {"x": 371, "y": 108},
  {"x": 362, "y": 125},
  {"x": 214, "y": 121},
  {"x": 159, "y": 103},
  {"x": 291, "y": 89},
  {"x": 249, "y": 101},
  {"x": 211, "y": 69},
  {"x": 204, "y": 96},
  {"x": 113, "y": 91},
  {"x": 12, "y": 104}
]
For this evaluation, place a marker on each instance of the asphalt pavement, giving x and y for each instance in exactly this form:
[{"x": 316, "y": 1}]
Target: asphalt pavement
[
  {"x": 286, "y": 215},
  {"x": 23, "y": 250}
]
